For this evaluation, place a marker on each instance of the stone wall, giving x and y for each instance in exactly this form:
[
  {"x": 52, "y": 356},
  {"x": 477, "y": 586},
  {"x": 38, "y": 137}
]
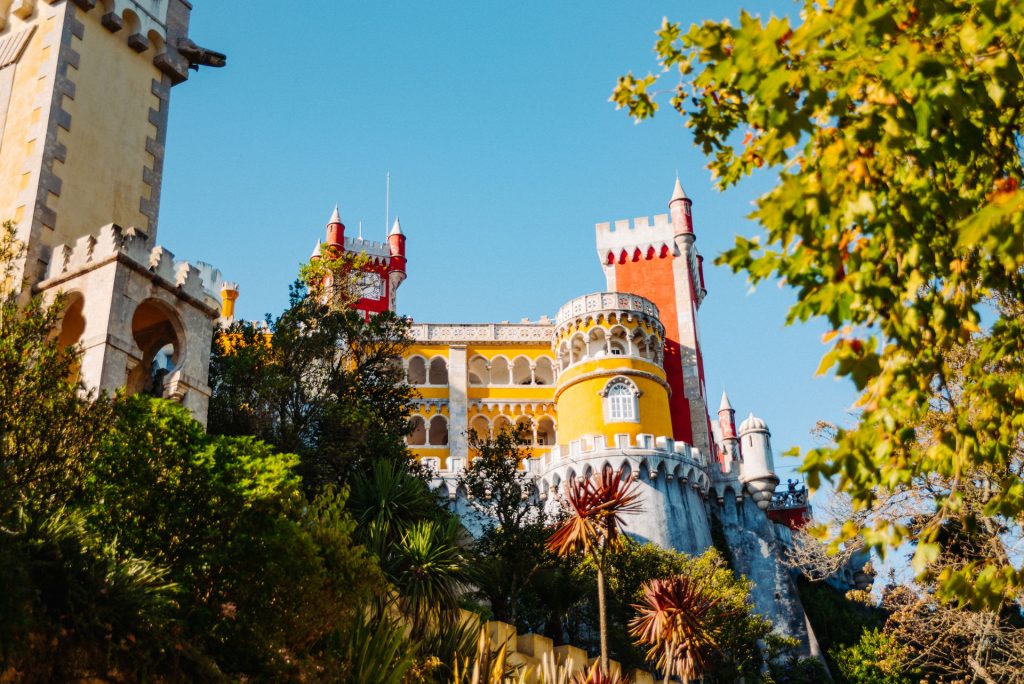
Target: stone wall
[{"x": 527, "y": 652}]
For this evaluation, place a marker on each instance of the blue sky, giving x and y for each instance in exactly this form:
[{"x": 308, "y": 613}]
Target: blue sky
[{"x": 494, "y": 121}]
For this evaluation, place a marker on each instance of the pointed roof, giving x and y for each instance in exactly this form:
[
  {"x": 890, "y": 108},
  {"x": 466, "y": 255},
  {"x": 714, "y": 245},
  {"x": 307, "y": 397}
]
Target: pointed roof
[
  {"x": 725, "y": 405},
  {"x": 678, "y": 193},
  {"x": 335, "y": 216},
  {"x": 316, "y": 250},
  {"x": 396, "y": 229}
]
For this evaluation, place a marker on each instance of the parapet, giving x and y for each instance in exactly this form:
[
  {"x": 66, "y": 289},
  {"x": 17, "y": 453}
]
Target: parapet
[
  {"x": 130, "y": 246},
  {"x": 606, "y": 301},
  {"x": 641, "y": 234},
  {"x": 481, "y": 333},
  {"x": 378, "y": 251}
]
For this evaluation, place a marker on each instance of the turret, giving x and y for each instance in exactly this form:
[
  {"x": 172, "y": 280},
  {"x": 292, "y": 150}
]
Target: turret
[
  {"x": 679, "y": 208},
  {"x": 757, "y": 468},
  {"x": 397, "y": 262},
  {"x": 228, "y": 296},
  {"x": 727, "y": 427},
  {"x": 336, "y": 230}
]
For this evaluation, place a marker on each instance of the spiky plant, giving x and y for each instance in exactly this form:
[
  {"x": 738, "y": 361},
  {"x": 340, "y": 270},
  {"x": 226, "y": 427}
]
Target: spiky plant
[
  {"x": 595, "y": 526},
  {"x": 596, "y": 675},
  {"x": 676, "y": 621}
]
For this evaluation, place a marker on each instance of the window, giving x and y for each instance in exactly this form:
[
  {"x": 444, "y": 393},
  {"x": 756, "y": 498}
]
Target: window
[{"x": 620, "y": 403}]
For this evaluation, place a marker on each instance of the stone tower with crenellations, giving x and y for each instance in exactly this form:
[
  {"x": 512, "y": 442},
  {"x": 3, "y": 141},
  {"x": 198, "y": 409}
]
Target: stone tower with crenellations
[{"x": 85, "y": 90}]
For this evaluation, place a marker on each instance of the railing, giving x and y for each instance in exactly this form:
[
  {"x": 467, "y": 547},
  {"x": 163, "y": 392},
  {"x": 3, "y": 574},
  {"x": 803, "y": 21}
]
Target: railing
[{"x": 606, "y": 301}]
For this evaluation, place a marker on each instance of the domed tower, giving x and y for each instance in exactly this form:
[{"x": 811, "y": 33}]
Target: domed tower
[
  {"x": 757, "y": 469},
  {"x": 609, "y": 348}
]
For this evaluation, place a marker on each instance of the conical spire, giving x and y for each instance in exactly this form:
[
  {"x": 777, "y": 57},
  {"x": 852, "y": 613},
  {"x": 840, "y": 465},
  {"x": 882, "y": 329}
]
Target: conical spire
[
  {"x": 396, "y": 228},
  {"x": 725, "y": 405},
  {"x": 678, "y": 193},
  {"x": 316, "y": 250},
  {"x": 335, "y": 216}
]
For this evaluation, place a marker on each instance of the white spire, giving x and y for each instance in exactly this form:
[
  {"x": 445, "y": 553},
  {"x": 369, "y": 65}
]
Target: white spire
[
  {"x": 335, "y": 217},
  {"x": 677, "y": 192},
  {"x": 396, "y": 229},
  {"x": 316, "y": 250},
  {"x": 725, "y": 405}
]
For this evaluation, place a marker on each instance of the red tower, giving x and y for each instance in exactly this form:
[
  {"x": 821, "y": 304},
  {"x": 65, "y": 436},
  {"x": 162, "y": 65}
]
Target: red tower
[
  {"x": 658, "y": 260},
  {"x": 385, "y": 268}
]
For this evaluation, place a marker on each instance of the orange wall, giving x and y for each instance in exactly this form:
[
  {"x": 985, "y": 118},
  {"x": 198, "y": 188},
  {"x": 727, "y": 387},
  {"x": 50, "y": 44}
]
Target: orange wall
[{"x": 654, "y": 280}]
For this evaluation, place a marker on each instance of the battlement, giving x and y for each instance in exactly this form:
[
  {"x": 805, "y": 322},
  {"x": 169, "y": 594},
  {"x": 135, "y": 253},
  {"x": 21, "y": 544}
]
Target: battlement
[
  {"x": 371, "y": 248},
  {"x": 624, "y": 239},
  {"x": 113, "y": 243}
]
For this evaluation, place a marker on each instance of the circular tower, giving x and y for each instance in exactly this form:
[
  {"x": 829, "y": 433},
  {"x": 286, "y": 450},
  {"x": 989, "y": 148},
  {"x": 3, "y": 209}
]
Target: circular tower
[
  {"x": 609, "y": 348},
  {"x": 612, "y": 400},
  {"x": 757, "y": 470}
]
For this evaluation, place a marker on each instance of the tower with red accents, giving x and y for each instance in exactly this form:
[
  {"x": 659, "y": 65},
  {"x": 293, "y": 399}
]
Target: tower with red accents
[
  {"x": 385, "y": 268},
  {"x": 659, "y": 261},
  {"x": 730, "y": 452}
]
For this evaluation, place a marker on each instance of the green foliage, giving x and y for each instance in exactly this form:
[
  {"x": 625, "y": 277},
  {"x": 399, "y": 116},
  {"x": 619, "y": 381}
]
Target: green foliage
[
  {"x": 739, "y": 629},
  {"x": 265, "y": 577},
  {"x": 74, "y": 606},
  {"x": 511, "y": 548},
  {"x": 837, "y": 621},
  {"x": 48, "y": 431},
  {"x": 377, "y": 652},
  {"x": 894, "y": 130},
  {"x": 321, "y": 381},
  {"x": 876, "y": 659}
]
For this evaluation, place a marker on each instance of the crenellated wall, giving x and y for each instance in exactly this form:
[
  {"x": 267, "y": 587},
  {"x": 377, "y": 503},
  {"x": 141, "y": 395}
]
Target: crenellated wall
[{"x": 529, "y": 652}]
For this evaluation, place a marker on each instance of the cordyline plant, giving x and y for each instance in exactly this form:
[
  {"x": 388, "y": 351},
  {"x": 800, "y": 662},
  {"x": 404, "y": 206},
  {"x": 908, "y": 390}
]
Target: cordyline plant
[
  {"x": 675, "y": 621},
  {"x": 595, "y": 527},
  {"x": 894, "y": 128}
]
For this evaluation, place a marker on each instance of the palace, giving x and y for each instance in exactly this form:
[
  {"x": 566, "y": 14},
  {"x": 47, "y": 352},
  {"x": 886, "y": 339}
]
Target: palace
[{"x": 615, "y": 378}]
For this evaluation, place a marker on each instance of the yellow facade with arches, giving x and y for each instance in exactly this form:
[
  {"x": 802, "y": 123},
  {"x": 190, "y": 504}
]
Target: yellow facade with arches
[{"x": 596, "y": 370}]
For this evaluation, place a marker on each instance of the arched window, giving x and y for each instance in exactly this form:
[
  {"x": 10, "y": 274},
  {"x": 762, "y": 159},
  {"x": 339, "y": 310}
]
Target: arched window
[
  {"x": 417, "y": 373},
  {"x": 438, "y": 371},
  {"x": 500, "y": 372},
  {"x": 620, "y": 401},
  {"x": 438, "y": 433},
  {"x": 521, "y": 374},
  {"x": 481, "y": 427},
  {"x": 479, "y": 374},
  {"x": 544, "y": 373},
  {"x": 546, "y": 432},
  {"x": 417, "y": 431}
]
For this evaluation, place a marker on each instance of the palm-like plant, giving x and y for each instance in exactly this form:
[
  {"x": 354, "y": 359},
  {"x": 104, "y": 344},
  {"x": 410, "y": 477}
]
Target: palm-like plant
[
  {"x": 430, "y": 571},
  {"x": 676, "y": 621},
  {"x": 595, "y": 526}
]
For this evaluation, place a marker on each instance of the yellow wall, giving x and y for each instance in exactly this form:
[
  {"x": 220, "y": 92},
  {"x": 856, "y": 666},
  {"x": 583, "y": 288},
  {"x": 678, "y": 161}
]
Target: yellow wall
[
  {"x": 107, "y": 142},
  {"x": 609, "y": 362},
  {"x": 581, "y": 409},
  {"x": 16, "y": 150}
]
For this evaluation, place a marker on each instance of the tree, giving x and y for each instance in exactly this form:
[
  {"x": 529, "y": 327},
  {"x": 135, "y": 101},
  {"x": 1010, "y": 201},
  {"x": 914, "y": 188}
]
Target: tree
[
  {"x": 738, "y": 632},
  {"x": 320, "y": 380},
  {"x": 511, "y": 548},
  {"x": 595, "y": 528},
  {"x": 877, "y": 658},
  {"x": 265, "y": 577},
  {"x": 48, "y": 429},
  {"x": 894, "y": 129}
]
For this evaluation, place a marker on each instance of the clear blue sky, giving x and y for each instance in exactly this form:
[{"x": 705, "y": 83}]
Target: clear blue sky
[{"x": 494, "y": 121}]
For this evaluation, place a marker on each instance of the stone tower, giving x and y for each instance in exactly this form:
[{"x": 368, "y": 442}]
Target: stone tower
[
  {"x": 659, "y": 261},
  {"x": 84, "y": 93}
]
